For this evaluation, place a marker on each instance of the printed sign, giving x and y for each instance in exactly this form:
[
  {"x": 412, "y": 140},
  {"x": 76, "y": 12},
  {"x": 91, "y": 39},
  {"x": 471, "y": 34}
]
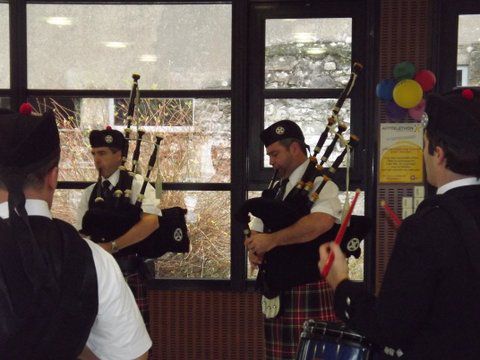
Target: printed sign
[{"x": 401, "y": 154}]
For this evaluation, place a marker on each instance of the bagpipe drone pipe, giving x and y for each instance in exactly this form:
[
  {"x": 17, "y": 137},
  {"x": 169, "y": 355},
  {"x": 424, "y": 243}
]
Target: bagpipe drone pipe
[
  {"x": 290, "y": 265},
  {"x": 108, "y": 219}
]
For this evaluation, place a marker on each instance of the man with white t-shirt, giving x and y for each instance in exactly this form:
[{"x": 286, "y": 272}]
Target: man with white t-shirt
[{"x": 60, "y": 296}]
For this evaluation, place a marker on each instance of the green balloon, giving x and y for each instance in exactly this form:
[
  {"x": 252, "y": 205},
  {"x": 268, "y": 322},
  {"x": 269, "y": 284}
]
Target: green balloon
[{"x": 404, "y": 70}]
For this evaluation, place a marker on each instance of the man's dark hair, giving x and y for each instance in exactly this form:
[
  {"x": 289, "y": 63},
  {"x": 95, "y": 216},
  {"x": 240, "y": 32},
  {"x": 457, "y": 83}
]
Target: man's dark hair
[
  {"x": 289, "y": 141},
  {"x": 33, "y": 178},
  {"x": 462, "y": 158},
  {"x": 454, "y": 125}
]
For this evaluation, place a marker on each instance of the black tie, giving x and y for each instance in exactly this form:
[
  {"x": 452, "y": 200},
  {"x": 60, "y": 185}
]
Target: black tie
[
  {"x": 282, "y": 184},
  {"x": 106, "y": 189}
]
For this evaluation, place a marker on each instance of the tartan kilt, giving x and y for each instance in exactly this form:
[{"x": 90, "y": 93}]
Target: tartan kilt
[
  {"x": 301, "y": 303},
  {"x": 138, "y": 286}
]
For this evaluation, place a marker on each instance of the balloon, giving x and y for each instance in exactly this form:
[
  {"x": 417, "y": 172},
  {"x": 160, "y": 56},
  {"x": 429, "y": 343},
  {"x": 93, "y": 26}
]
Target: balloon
[
  {"x": 407, "y": 93},
  {"x": 416, "y": 112},
  {"x": 426, "y": 79},
  {"x": 404, "y": 70},
  {"x": 384, "y": 89},
  {"x": 394, "y": 111}
]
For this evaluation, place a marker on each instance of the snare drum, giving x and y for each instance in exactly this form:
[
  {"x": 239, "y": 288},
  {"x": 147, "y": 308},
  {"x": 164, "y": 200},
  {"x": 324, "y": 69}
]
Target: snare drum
[{"x": 329, "y": 341}]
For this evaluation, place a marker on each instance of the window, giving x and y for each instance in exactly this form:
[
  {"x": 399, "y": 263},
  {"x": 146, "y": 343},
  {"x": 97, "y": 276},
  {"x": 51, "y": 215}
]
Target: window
[
  {"x": 458, "y": 46},
  {"x": 4, "y": 47},
  {"x": 301, "y": 61},
  {"x": 468, "y": 49},
  {"x": 83, "y": 56},
  {"x": 307, "y": 60},
  {"x": 99, "y": 46},
  {"x": 208, "y": 86}
]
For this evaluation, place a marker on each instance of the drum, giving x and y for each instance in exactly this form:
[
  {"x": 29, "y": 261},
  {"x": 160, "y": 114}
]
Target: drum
[{"x": 329, "y": 341}]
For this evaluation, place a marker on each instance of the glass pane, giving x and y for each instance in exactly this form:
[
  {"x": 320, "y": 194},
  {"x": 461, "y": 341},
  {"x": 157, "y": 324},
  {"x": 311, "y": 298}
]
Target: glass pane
[
  {"x": 311, "y": 115},
  {"x": 196, "y": 135},
  {"x": 4, "y": 47},
  {"x": 468, "y": 52},
  {"x": 208, "y": 221},
  {"x": 65, "y": 204},
  {"x": 355, "y": 265},
  {"x": 100, "y": 46},
  {"x": 308, "y": 53}
]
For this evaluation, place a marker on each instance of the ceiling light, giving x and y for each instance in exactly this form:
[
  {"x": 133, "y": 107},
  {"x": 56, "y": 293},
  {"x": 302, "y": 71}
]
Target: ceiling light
[
  {"x": 59, "y": 21},
  {"x": 115, "y": 44},
  {"x": 148, "y": 58}
]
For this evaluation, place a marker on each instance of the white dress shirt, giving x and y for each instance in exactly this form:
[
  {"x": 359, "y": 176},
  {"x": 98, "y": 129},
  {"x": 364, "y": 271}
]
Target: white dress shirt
[
  {"x": 118, "y": 332},
  {"x": 150, "y": 204}
]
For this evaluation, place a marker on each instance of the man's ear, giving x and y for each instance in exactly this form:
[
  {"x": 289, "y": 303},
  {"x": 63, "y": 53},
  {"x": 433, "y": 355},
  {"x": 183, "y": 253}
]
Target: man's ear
[
  {"x": 295, "y": 147},
  {"x": 52, "y": 178},
  {"x": 118, "y": 155},
  {"x": 439, "y": 154}
]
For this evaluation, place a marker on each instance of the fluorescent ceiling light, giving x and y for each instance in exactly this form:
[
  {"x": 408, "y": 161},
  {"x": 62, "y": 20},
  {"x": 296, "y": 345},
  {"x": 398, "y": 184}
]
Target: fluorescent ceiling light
[
  {"x": 115, "y": 44},
  {"x": 59, "y": 21},
  {"x": 148, "y": 58}
]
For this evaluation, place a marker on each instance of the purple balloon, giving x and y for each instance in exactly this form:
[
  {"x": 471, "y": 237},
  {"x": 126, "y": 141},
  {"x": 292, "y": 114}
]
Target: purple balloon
[{"x": 395, "y": 112}]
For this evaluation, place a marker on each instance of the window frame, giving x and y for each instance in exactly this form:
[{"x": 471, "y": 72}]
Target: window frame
[
  {"x": 260, "y": 175},
  {"x": 446, "y": 15},
  {"x": 362, "y": 171},
  {"x": 241, "y": 128}
]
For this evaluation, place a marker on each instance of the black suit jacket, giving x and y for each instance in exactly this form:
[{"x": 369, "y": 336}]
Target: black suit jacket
[
  {"x": 48, "y": 291},
  {"x": 429, "y": 303}
]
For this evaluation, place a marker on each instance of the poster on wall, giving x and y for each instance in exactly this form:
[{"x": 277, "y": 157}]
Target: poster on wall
[{"x": 401, "y": 153}]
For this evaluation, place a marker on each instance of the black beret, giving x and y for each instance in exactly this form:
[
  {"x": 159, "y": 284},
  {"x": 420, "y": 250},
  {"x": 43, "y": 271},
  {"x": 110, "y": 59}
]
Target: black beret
[
  {"x": 284, "y": 129},
  {"x": 26, "y": 140},
  {"x": 107, "y": 138},
  {"x": 456, "y": 116}
]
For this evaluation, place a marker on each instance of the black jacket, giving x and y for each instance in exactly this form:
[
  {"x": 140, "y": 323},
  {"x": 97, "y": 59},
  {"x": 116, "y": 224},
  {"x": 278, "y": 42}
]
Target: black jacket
[
  {"x": 429, "y": 303},
  {"x": 48, "y": 291}
]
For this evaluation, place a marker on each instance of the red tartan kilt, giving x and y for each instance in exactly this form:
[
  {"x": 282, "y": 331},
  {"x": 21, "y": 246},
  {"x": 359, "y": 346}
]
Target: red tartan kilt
[
  {"x": 301, "y": 303},
  {"x": 139, "y": 290}
]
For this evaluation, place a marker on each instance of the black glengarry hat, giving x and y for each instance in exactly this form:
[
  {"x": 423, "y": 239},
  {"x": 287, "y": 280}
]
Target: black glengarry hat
[
  {"x": 107, "y": 138},
  {"x": 456, "y": 115},
  {"x": 26, "y": 140},
  {"x": 284, "y": 129}
]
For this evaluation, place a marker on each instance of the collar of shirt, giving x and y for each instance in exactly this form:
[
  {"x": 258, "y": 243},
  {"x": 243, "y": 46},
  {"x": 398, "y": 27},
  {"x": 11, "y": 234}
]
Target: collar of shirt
[
  {"x": 34, "y": 207},
  {"x": 457, "y": 183},
  {"x": 296, "y": 176},
  {"x": 113, "y": 178}
]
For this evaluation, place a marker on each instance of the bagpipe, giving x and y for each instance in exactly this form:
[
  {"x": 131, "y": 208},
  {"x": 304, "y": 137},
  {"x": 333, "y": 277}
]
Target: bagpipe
[
  {"x": 105, "y": 220},
  {"x": 287, "y": 266}
]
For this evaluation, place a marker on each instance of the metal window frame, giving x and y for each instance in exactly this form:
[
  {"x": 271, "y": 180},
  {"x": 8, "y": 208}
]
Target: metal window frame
[{"x": 240, "y": 98}]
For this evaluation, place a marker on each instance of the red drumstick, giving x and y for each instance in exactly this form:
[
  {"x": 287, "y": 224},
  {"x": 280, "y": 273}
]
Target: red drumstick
[
  {"x": 340, "y": 234},
  {"x": 396, "y": 221}
]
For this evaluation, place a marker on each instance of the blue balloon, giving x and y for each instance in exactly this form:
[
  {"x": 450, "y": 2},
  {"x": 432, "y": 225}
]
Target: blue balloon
[{"x": 384, "y": 89}]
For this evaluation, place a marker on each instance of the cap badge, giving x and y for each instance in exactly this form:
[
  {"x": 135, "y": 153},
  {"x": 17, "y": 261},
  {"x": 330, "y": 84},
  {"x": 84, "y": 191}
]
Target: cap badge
[
  {"x": 280, "y": 130},
  {"x": 108, "y": 139}
]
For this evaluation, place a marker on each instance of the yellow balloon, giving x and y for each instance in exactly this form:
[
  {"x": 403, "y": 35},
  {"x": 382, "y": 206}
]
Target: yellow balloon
[{"x": 407, "y": 93}]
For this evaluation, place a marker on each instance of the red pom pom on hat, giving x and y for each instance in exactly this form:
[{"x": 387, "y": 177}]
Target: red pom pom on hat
[
  {"x": 108, "y": 127},
  {"x": 467, "y": 94},
  {"x": 25, "y": 109}
]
